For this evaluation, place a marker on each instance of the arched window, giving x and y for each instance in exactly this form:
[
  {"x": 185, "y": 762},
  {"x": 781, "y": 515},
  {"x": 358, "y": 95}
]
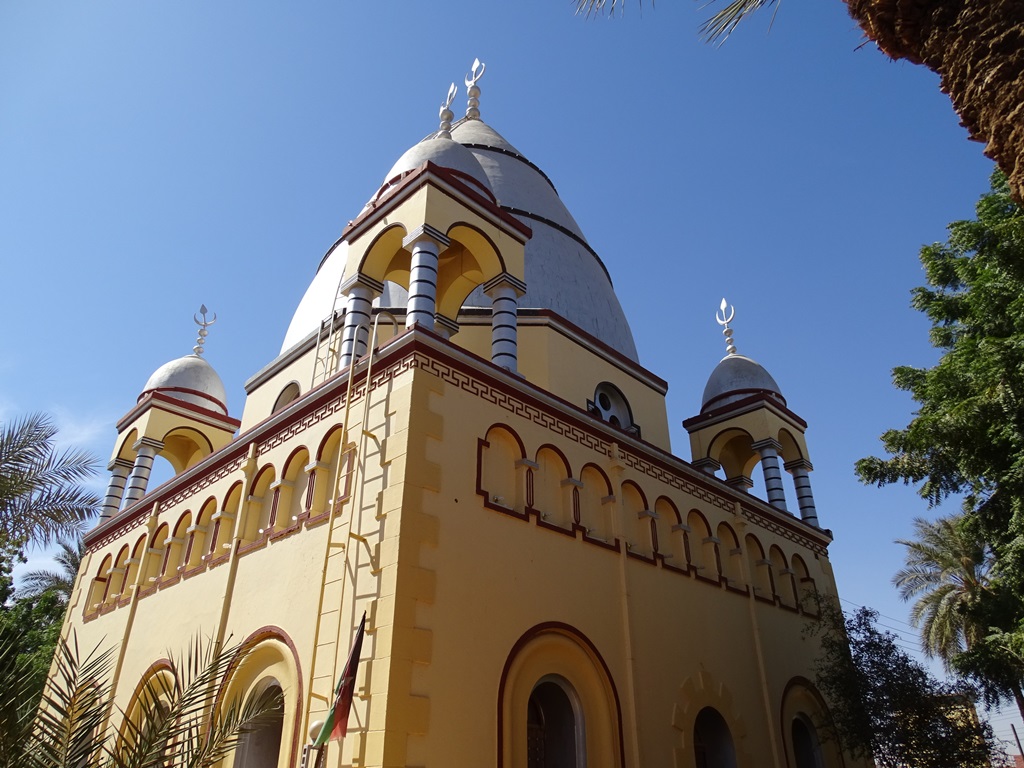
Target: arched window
[
  {"x": 609, "y": 404},
  {"x": 557, "y": 704},
  {"x": 670, "y": 544},
  {"x": 554, "y": 726},
  {"x": 760, "y": 569},
  {"x": 294, "y": 490},
  {"x": 500, "y": 456},
  {"x": 806, "y": 592},
  {"x": 806, "y": 747},
  {"x": 552, "y": 497},
  {"x": 595, "y": 504},
  {"x": 288, "y": 395},
  {"x": 712, "y": 741},
  {"x": 731, "y": 556},
  {"x": 639, "y": 522},
  {"x": 783, "y": 577},
  {"x": 261, "y": 747},
  {"x": 703, "y": 547}
]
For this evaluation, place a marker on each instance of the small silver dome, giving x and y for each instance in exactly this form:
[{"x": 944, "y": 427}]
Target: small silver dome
[
  {"x": 735, "y": 378},
  {"x": 192, "y": 380},
  {"x": 445, "y": 153}
]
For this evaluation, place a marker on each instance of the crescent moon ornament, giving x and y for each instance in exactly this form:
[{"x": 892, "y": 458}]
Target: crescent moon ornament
[
  {"x": 203, "y": 325},
  {"x": 446, "y": 114},
  {"x": 723, "y": 318},
  {"x": 473, "y": 90}
]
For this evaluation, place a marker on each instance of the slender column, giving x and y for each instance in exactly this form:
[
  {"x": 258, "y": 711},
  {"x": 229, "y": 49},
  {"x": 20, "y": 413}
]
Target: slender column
[
  {"x": 147, "y": 449},
  {"x": 804, "y": 498},
  {"x": 505, "y": 291},
  {"x": 361, "y": 291},
  {"x": 119, "y": 469},
  {"x": 769, "y": 451},
  {"x": 425, "y": 243}
]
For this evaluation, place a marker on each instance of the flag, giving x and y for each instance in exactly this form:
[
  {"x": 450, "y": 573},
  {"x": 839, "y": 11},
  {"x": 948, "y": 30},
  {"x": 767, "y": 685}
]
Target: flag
[{"x": 336, "y": 725}]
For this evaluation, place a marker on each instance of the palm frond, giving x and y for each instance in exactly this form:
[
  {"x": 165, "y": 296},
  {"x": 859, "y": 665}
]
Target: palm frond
[
  {"x": 180, "y": 719},
  {"x": 17, "y": 706},
  {"x": 69, "y": 558},
  {"x": 41, "y": 496},
  {"x": 68, "y": 729},
  {"x": 721, "y": 25}
]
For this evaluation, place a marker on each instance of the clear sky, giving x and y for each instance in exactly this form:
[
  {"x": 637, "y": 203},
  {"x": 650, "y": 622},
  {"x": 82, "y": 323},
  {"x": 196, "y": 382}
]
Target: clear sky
[{"x": 157, "y": 155}]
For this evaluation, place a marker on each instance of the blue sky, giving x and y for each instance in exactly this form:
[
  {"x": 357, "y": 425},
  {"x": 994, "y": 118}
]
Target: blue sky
[{"x": 158, "y": 155}]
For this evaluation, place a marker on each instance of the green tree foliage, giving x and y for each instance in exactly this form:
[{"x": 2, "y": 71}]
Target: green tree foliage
[
  {"x": 967, "y": 436},
  {"x": 886, "y": 707},
  {"x": 968, "y": 433}
]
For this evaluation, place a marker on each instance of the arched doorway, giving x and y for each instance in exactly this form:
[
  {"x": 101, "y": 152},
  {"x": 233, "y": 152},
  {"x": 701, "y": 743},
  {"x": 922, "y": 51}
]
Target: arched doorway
[
  {"x": 712, "y": 742},
  {"x": 806, "y": 747},
  {"x": 554, "y": 726},
  {"x": 261, "y": 748}
]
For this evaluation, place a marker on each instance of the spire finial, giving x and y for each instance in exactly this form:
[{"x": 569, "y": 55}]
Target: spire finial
[
  {"x": 473, "y": 90},
  {"x": 203, "y": 325},
  {"x": 723, "y": 318},
  {"x": 446, "y": 114}
]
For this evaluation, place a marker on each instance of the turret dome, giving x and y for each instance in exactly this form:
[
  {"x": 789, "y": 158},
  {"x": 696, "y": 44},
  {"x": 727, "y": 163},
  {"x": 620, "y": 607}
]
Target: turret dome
[
  {"x": 735, "y": 378},
  {"x": 192, "y": 380}
]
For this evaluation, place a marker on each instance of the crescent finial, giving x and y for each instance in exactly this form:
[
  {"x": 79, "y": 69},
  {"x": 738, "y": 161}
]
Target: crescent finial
[{"x": 723, "y": 318}]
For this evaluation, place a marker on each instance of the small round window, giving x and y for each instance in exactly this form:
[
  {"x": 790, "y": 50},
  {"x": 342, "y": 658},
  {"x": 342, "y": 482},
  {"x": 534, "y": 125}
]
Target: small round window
[{"x": 610, "y": 405}]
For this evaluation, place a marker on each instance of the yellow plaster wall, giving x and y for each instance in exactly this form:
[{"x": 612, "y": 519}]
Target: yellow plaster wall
[
  {"x": 451, "y": 586},
  {"x": 492, "y": 577}
]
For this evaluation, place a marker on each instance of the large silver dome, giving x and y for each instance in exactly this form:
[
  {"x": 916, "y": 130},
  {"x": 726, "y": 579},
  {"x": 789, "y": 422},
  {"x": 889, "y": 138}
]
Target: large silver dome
[{"x": 563, "y": 273}]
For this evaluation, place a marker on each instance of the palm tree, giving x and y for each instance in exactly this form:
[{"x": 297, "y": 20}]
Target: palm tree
[
  {"x": 946, "y": 573},
  {"x": 179, "y": 721},
  {"x": 976, "y": 47},
  {"x": 61, "y": 582},
  {"x": 41, "y": 492}
]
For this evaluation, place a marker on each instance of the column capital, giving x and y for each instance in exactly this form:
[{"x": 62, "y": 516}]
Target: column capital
[
  {"x": 504, "y": 280},
  {"x": 359, "y": 280},
  {"x": 120, "y": 463},
  {"x": 740, "y": 483},
  {"x": 445, "y": 325},
  {"x": 426, "y": 232},
  {"x": 148, "y": 442},
  {"x": 707, "y": 465},
  {"x": 768, "y": 442},
  {"x": 798, "y": 464}
]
